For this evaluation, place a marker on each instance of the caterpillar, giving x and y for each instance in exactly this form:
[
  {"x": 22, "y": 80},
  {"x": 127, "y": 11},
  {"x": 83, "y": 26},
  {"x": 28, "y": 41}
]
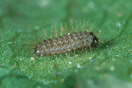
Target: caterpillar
[
  {"x": 78, "y": 39},
  {"x": 67, "y": 43}
]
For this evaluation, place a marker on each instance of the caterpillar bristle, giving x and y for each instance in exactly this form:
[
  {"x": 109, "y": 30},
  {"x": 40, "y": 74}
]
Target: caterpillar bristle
[
  {"x": 96, "y": 29},
  {"x": 101, "y": 41},
  {"x": 34, "y": 36},
  {"x": 83, "y": 24},
  {"x": 91, "y": 27},
  {"x": 40, "y": 33},
  {"x": 45, "y": 34}
]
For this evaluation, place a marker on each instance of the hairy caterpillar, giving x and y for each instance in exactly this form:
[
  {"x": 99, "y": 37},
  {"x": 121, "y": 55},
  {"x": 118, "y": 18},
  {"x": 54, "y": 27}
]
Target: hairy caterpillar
[{"x": 66, "y": 43}]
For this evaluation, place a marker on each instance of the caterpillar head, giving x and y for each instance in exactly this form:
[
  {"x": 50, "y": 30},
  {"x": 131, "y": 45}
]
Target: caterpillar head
[{"x": 95, "y": 41}]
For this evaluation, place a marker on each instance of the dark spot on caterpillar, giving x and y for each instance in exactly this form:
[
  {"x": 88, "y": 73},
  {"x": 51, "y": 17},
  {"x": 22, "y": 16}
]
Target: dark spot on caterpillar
[
  {"x": 95, "y": 41},
  {"x": 67, "y": 43}
]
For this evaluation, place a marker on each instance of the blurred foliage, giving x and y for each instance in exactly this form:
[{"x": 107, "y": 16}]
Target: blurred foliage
[{"x": 109, "y": 66}]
